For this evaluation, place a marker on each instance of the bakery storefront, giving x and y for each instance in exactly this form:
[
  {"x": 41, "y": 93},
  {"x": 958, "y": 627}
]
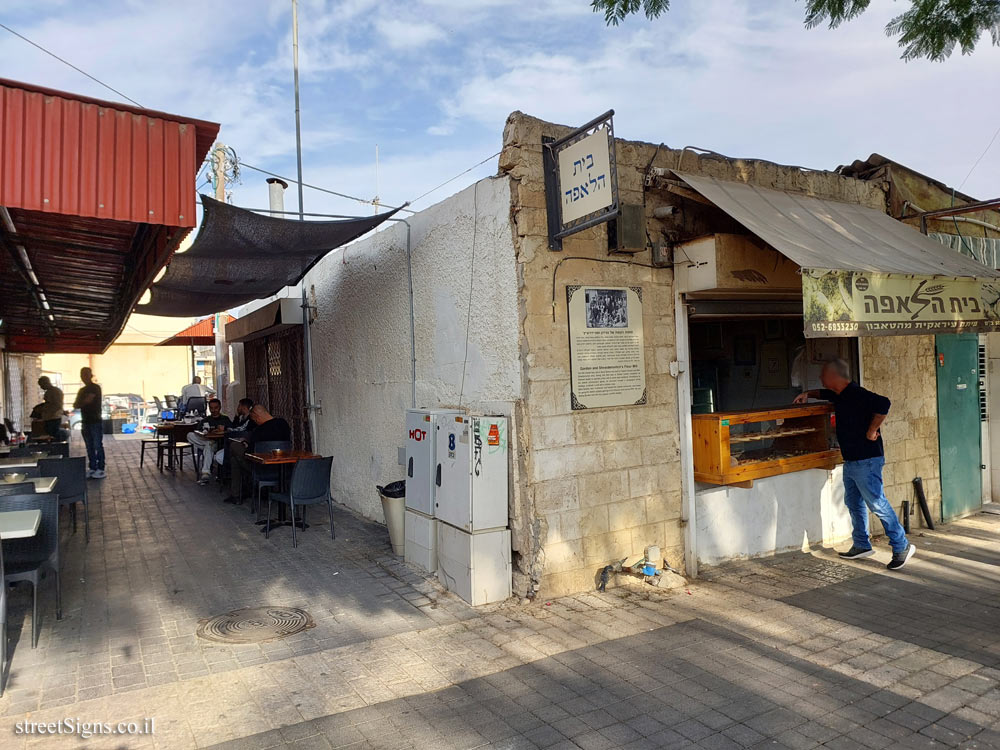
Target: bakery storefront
[{"x": 811, "y": 280}]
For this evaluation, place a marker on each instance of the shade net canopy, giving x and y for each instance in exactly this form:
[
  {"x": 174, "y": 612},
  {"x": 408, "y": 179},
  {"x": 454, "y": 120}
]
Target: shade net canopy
[{"x": 239, "y": 256}]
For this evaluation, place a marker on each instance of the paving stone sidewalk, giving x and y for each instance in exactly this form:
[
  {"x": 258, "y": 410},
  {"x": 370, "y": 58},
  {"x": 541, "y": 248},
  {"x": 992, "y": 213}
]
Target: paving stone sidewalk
[{"x": 797, "y": 651}]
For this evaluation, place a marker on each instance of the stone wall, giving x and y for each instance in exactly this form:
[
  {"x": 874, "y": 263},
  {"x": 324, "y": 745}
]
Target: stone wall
[
  {"x": 903, "y": 368},
  {"x": 599, "y": 485}
]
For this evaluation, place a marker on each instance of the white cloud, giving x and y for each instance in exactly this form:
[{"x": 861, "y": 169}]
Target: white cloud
[{"x": 406, "y": 35}]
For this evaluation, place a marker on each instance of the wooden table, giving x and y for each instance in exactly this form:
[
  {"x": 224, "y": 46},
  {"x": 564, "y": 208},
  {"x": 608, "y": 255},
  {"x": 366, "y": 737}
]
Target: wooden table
[{"x": 281, "y": 459}]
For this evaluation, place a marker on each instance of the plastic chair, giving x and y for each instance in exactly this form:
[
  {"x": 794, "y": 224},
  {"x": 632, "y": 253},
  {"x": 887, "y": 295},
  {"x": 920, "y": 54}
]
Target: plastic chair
[
  {"x": 171, "y": 402},
  {"x": 71, "y": 486},
  {"x": 156, "y": 440},
  {"x": 196, "y": 404},
  {"x": 310, "y": 485},
  {"x": 21, "y": 488},
  {"x": 265, "y": 476},
  {"x": 26, "y": 559},
  {"x": 58, "y": 449}
]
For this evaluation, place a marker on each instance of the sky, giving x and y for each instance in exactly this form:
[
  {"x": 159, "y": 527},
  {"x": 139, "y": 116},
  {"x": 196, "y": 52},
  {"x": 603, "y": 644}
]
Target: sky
[{"x": 431, "y": 83}]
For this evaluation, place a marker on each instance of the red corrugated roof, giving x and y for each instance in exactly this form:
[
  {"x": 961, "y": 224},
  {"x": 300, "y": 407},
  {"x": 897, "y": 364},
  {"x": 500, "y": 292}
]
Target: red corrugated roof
[
  {"x": 100, "y": 195},
  {"x": 201, "y": 333}
]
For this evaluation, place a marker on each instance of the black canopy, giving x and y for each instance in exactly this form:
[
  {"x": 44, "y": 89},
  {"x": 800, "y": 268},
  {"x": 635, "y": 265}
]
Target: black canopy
[{"x": 239, "y": 256}]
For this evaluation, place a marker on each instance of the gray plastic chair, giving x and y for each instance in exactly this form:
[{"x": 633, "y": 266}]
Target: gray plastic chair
[
  {"x": 265, "y": 476},
  {"x": 21, "y": 488},
  {"x": 310, "y": 485},
  {"x": 26, "y": 559},
  {"x": 71, "y": 486}
]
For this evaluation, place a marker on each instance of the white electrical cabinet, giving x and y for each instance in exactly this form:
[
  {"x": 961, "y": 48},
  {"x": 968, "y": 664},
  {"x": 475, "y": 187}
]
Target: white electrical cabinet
[
  {"x": 477, "y": 566},
  {"x": 420, "y": 548},
  {"x": 421, "y": 458},
  {"x": 471, "y": 474}
]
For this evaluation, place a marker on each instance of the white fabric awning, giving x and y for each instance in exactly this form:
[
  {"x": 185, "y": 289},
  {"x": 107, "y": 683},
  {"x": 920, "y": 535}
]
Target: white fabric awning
[{"x": 826, "y": 234}]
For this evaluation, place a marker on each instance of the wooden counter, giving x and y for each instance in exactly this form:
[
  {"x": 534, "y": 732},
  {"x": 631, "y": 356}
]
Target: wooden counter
[{"x": 798, "y": 439}]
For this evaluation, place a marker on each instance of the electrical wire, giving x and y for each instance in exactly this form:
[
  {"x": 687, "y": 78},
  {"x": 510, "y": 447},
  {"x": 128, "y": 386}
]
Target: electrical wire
[
  {"x": 250, "y": 166},
  {"x": 472, "y": 278},
  {"x": 594, "y": 260},
  {"x": 67, "y": 62},
  {"x": 424, "y": 195},
  {"x": 985, "y": 151},
  {"x": 293, "y": 181}
]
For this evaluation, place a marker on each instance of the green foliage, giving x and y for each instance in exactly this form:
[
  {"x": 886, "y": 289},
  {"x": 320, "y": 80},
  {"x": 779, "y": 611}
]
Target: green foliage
[
  {"x": 616, "y": 11},
  {"x": 929, "y": 29}
]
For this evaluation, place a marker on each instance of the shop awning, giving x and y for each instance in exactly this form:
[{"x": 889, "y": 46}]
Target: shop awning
[
  {"x": 271, "y": 318},
  {"x": 826, "y": 234},
  {"x": 863, "y": 272},
  {"x": 240, "y": 256},
  {"x": 94, "y": 197},
  {"x": 201, "y": 333}
]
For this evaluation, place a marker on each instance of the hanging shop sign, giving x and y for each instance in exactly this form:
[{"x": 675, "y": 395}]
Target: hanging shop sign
[
  {"x": 607, "y": 365},
  {"x": 581, "y": 179},
  {"x": 859, "y": 303}
]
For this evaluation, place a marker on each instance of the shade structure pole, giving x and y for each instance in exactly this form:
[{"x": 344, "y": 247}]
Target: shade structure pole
[
  {"x": 221, "y": 370},
  {"x": 311, "y": 407}
]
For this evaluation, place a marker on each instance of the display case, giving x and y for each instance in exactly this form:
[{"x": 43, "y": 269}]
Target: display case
[{"x": 737, "y": 447}]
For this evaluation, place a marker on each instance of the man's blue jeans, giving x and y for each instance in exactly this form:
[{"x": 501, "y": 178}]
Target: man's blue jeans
[
  {"x": 93, "y": 438},
  {"x": 863, "y": 491}
]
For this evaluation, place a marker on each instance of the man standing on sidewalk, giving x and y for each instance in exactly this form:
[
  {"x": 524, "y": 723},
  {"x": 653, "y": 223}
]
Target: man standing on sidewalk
[
  {"x": 89, "y": 401},
  {"x": 52, "y": 408},
  {"x": 860, "y": 414}
]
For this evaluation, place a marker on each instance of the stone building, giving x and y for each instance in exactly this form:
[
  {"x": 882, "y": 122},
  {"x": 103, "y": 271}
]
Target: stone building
[{"x": 465, "y": 306}]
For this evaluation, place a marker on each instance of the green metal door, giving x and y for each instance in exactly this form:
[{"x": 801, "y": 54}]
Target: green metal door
[{"x": 959, "y": 432}]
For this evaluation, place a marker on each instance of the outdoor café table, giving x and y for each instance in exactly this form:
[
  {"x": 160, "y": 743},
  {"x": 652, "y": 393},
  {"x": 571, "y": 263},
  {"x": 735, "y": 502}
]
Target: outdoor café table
[
  {"x": 43, "y": 484},
  {"x": 175, "y": 431},
  {"x": 22, "y": 462},
  {"x": 14, "y": 524},
  {"x": 281, "y": 459}
]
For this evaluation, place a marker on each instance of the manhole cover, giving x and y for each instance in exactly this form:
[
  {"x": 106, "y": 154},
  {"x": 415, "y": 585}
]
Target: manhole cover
[{"x": 255, "y": 624}]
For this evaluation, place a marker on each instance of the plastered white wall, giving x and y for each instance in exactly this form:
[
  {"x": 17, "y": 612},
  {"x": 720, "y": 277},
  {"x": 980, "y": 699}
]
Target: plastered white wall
[
  {"x": 361, "y": 335},
  {"x": 777, "y": 514}
]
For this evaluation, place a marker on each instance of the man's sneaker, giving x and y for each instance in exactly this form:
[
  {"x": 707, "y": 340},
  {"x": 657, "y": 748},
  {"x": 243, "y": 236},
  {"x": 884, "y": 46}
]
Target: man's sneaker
[
  {"x": 856, "y": 553},
  {"x": 204, "y": 479},
  {"x": 899, "y": 559},
  {"x": 99, "y": 474},
  {"x": 90, "y": 473}
]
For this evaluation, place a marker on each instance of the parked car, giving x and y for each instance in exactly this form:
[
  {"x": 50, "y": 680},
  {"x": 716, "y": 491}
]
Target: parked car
[{"x": 128, "y": 406}]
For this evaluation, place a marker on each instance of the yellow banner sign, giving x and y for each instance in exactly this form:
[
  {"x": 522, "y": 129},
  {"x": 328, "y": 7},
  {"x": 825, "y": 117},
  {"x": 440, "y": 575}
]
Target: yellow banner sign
[{"x": 859, "y": 303}]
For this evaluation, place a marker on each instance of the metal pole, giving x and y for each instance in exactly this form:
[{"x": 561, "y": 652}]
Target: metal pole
[
  {"x": 221, "y": 373},
  {"x": 311, "y": 407},
  {"x": 298, "y": 115}
]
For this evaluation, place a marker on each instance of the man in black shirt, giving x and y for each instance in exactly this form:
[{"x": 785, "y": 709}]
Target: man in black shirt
[
  {"x": 860, "y": 414},
  {"x": 90, "y": 403},
  {"x": 213, "y": 421},
  {"x": 266, "y": 429}
]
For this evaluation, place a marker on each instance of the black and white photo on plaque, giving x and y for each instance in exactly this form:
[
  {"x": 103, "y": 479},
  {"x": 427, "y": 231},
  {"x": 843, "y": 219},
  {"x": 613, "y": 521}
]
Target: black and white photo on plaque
[{"x": 606, "y": 308}]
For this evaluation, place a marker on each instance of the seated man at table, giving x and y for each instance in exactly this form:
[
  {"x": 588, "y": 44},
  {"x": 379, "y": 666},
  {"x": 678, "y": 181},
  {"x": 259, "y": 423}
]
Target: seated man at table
[
  {"x": 241, "y": 425},
  {"x": 215, "y": 420},
  {"x": 266, "y": 429}
]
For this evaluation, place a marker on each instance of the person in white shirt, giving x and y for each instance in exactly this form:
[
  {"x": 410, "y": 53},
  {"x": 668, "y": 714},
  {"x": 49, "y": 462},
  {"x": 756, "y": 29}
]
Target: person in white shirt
[{"x": 194, "y": 388}]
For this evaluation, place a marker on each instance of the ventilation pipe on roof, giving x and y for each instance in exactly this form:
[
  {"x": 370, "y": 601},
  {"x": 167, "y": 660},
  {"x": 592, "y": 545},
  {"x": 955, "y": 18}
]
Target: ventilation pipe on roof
[{"x": 276, "y": 196}]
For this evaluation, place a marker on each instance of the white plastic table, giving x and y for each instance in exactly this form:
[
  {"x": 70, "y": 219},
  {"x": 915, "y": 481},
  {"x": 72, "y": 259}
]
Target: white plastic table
[
  {"x": 24, "y": 462},
  {"x": 19, "y": 524},
  {"x": 43, "y": 484}
]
